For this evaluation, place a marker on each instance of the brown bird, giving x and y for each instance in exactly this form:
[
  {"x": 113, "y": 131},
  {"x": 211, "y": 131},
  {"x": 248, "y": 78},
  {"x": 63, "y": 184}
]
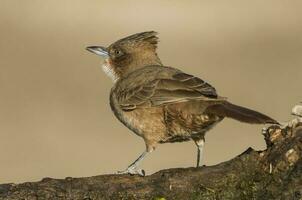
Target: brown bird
[{"x": 163, "y": 104}]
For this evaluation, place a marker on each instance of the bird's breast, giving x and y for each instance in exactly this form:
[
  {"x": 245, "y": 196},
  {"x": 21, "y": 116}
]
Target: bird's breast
[{"x": 145, "y": 122}]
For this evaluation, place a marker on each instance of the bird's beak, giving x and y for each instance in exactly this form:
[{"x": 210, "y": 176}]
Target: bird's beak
[{"x": 98, "y": 50}]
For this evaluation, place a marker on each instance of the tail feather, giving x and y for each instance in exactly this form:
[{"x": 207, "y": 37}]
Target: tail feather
[{"x": 240, "y": 113}]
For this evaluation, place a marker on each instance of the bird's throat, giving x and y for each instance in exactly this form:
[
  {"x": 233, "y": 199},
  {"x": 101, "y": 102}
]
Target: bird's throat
[{"x": 109, "y": 71}]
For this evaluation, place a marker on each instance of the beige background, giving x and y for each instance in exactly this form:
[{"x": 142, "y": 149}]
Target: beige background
[{"x": 55, "y": 120}]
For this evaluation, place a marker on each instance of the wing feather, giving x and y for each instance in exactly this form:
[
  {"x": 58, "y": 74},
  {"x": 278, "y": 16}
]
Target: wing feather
[{"x": 164, "y": 88}]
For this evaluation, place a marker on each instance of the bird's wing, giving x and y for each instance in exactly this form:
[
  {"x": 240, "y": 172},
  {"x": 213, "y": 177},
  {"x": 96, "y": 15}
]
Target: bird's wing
[{"x": 172, "y": 88}]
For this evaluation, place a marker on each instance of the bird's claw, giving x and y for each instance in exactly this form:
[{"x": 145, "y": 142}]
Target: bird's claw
[{"x": 133, "y": 171}]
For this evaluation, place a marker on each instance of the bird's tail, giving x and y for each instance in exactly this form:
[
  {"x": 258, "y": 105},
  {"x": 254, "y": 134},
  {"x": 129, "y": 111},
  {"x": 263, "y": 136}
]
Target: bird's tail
[{"x": 239, "y": 113}]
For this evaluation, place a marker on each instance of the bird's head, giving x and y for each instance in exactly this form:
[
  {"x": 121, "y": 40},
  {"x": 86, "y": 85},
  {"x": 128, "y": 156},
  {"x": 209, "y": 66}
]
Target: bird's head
[{"x": 128, "y": 54}]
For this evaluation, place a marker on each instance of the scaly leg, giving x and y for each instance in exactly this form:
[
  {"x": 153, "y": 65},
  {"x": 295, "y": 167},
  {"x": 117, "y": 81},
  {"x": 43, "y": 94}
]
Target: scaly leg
[
  {"x": 132, "y": 169},
  {"x": 200, "y": 144}
]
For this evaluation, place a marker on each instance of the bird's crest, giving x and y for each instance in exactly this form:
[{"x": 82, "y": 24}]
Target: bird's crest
[{"x": 144, "y": 38}]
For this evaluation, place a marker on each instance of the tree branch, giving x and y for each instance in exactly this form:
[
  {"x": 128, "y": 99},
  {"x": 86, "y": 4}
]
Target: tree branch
[{"x": 275, "y": 173}]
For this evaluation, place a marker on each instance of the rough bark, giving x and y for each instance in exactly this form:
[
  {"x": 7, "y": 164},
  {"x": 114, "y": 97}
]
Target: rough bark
[{"x": 275, "y": 173}]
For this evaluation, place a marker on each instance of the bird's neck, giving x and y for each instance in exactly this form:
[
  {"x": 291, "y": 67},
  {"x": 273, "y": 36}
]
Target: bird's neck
[
  {"x": 146, "y": 60},
  {"x": 140, "y": 62}
]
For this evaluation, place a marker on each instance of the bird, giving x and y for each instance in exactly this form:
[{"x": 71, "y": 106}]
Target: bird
[{"x": 162, "y": 104}]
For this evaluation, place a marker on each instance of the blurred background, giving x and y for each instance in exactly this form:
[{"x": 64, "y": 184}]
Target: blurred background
[{"x": 55, "y": 119}]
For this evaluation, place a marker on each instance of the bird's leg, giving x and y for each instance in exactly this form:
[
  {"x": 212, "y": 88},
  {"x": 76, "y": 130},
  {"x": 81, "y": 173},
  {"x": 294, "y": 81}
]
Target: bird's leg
[
  {"x": 200, "y": 144},
  {"x": 132, "y": 169}
]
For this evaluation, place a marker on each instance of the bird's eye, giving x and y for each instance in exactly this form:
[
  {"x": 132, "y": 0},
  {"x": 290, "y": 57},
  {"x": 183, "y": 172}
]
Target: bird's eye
[{"x": 117, "y": 52}]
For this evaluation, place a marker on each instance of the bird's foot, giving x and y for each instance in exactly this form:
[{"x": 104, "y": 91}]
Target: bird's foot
[{"x": 133, "y": 171}]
